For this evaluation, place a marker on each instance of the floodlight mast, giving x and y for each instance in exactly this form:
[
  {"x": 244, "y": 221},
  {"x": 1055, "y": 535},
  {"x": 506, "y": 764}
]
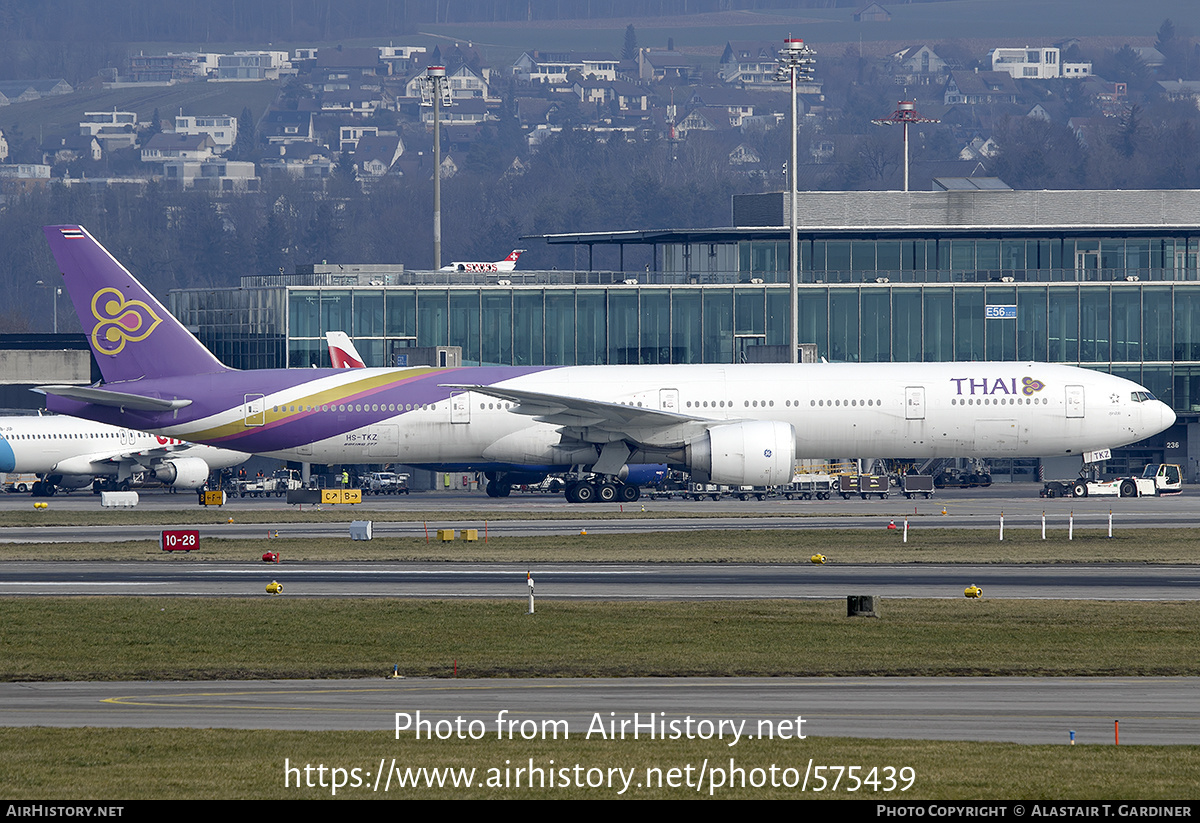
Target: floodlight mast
[
  {"x": 796, "y": 62},
  {"x": 433, "y": 90},
  {"x": 905, "y": 114}
]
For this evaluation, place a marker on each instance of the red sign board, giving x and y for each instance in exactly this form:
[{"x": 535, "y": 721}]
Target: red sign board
[{"x": 180, "y": 540}]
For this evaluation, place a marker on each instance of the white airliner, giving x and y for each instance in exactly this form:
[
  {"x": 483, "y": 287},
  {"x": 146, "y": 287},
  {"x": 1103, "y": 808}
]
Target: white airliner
[
  {"x": 507, "y": 264},
  {"x": 737, "y": 424},
  {"x": 68, "y": 453}
]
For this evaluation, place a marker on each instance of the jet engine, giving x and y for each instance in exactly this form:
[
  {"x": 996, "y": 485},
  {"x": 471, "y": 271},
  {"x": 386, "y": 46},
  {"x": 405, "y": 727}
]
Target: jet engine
[
  {"x": 754, "y": 453},
  {"x": 185, "y": 472}
]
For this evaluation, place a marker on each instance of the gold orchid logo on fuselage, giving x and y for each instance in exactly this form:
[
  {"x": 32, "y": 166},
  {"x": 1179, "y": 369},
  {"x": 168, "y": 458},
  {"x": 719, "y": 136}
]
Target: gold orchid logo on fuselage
[{"x": 121, "y": 321}]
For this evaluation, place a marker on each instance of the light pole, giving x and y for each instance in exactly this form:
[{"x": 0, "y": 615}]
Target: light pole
[
  {"x": 905, "y": 114},
  {"x": 796, "y": 62},
  {"x": 433, "y": 90},
  {"x": 54, "y": 291}
]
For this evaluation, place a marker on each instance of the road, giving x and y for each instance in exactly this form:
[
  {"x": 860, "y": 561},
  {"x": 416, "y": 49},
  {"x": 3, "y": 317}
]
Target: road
[{"x": 183, "y": 577}]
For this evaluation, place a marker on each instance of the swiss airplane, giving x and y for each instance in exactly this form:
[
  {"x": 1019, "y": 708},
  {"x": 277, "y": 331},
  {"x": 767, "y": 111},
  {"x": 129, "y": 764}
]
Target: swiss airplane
[
  {"x": 507, "y": 264},
  {"x": 737, "y": 424},
  {"x": 69, "y": 453},
  {"x": 342, "y": 352}
]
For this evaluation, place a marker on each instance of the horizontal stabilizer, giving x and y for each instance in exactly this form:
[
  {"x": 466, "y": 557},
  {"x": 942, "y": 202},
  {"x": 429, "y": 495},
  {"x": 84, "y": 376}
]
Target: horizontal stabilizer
[{"x": 116, "y": 399}]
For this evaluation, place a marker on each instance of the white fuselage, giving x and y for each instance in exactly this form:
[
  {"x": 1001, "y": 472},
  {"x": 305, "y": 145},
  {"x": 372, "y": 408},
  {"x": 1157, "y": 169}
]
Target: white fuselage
[
  {"x": 886, "y": 409},
  {"x": 70, "y": 447}
]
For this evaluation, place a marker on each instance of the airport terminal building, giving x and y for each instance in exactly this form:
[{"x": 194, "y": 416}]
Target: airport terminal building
[{"x": 1103, "y": 279}]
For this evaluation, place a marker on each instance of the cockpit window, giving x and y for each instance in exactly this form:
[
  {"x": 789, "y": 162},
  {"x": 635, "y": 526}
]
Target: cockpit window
[{"x": 1141, "y": 396}]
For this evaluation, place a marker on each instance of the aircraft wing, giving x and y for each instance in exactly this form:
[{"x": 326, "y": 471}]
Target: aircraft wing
[
  {"x": 598, "y": 421},
  {"x": 105, "y": 397}
]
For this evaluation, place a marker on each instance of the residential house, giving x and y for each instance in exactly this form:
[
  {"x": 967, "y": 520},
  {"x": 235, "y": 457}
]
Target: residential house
[
  {"x": 168, "y": 68},
  {"x": 252, "y": 65},
  {"x": 358, "y": 102},
  {"x": 980, "y": 87},
  {"x": 979, "y": 149},
  {"x": 1181, "y": 90},
  {"x": 462, "y": 83},
  {"x": 552, "y": 67},
  {"x": 402, "y": 59},
  {"x": 749, "y": 62},
  {"x": 874, "y": 13},
  {"x": 214, "y": 174},
  {"x": 1036, "y": 64},
  {"x": 918, "y": 66},
  {"x": 94, "y": 121},
  {"x": 282, "y": 127},
  {"x": 170, "y": 146},
  {"x": 739, "y": 104},
  {"x": 23, "y": 177},
  {"x": 72, "y": 148},
  {"x": 376, "y": 155},
  {"x": 304, "y": 160},
  {"x": 350, "y": 134},
  {"x": 704, "y": 118},
  {"x": 743, "y": 155},
  {"x": 222, "y": 128},
  {"x": 625, "y": 97},
  {"x": 657, "y": 65},
  {"x": 341, "y": 68},
  {"x": 114, "y": 129}
]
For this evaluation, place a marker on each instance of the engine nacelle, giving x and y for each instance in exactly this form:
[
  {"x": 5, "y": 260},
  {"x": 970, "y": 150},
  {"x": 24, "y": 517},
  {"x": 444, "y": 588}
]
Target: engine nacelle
[
  {"x": 755, "y": 453},
  {"x": 185, "y": 472}
]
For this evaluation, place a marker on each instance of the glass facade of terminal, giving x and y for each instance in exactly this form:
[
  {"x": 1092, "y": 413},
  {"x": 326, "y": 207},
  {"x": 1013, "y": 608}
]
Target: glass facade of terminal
[{"x": 944, "y": 259}]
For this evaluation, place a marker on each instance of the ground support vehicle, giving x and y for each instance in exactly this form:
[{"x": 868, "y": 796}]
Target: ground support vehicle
[
  {"x": 698, "y": 491},
  {"x": 1156, "y": 480},
  {"x": 809, "y": 486},
  {"x": 915, "y": 484},
  {"x": 19, "y": 482},
  {"x": 757, "y": 492},
  {"x": 864, "y": 485},
  {"x": 952, "y": 478},
  {"x": 385, "y": 483}
]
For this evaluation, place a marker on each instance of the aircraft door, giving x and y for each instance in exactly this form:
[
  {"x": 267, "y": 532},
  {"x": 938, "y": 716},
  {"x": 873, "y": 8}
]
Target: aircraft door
[
  {"x": 383, "y": 441},
  {"x": 1074, "y": 401},
  {"x": 668, "y": 400},
  {"x": 914, "y": 403},
  {"x": 460, "y": 407},
  {"x": 254, "y": 410}
]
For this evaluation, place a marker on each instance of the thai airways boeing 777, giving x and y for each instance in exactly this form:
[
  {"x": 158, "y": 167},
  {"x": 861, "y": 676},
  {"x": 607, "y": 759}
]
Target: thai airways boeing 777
[{"x": 738, "y": 424}]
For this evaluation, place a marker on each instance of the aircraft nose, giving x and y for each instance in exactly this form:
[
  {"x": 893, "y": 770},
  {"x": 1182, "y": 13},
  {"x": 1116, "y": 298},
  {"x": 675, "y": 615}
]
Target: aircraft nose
[{"x": 1167, "y": 416}]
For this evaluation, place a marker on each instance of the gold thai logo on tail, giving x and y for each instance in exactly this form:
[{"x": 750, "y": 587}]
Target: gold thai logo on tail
[{"x": 121, "y": 321}]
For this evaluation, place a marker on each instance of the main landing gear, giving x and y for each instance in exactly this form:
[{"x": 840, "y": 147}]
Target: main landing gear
[
  {"x": 498, "y": 488},
  {"x": 602, "y": 490}
]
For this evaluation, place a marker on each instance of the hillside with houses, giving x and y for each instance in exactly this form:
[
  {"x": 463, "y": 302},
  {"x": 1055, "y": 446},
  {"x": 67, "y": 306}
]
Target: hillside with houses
[{"x": 275, "y": 157}]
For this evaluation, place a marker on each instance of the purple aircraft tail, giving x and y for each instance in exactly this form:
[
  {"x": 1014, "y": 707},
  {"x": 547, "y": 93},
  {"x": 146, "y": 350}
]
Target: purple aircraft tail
[{"x": 130, "y": 332}]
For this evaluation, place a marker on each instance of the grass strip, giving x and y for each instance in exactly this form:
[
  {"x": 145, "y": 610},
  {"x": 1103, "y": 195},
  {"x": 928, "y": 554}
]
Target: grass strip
[
  {"x": 283, "y": 513},
  {"x": 723, "y": 546},
  {"x": 130, "y": 638},
  {"x": 132, "y": 764}
]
